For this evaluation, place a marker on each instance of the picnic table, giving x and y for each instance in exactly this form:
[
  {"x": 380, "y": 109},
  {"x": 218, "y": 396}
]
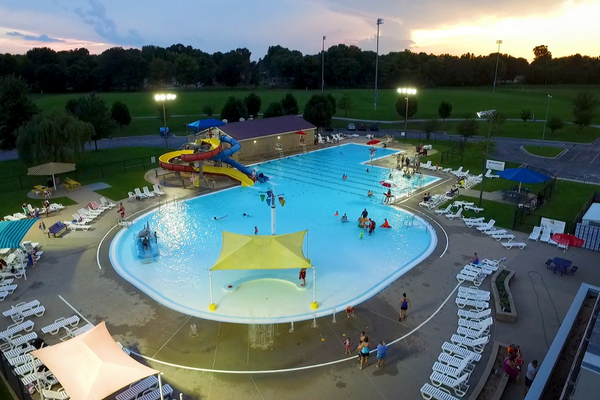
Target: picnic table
[{"x": 564, "y": 266}]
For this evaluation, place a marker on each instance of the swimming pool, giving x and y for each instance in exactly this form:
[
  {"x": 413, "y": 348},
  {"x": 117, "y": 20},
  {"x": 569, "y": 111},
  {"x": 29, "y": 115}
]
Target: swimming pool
[{"x": 349, "y": 269}]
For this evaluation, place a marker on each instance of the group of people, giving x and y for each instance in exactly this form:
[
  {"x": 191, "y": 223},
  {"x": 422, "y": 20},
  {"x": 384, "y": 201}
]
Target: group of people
[
  {"x": 512, "y": 366},
  {"x": 363, "y": 349},
  {"x": 36, "y": 211}
]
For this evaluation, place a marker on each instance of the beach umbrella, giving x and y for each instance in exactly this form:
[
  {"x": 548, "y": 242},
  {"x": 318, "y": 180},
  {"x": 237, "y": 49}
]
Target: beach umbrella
[
  {"x": 523, "y": 175},
  {"x": 300, "y": 133},
  {"x": 567, "y": 239},
  {"x": 52, "y": 168},
  {"x": 372, "y": 142}
]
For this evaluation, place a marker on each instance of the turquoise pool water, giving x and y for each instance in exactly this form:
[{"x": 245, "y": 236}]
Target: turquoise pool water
[{"x": 349, "y": 269}]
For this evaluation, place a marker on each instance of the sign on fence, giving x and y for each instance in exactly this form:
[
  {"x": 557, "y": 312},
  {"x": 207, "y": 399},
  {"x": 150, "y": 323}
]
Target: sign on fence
[
  {"x": 495, "y": 165},
  {"x": 554, "y": 225}
]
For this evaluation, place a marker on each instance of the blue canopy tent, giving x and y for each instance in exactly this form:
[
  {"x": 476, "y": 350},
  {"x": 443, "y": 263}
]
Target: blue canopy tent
[
  {"x": 202, "y": 124},
  {"x": 523, "y": 175},
  {"x": 13, "y": 232}
]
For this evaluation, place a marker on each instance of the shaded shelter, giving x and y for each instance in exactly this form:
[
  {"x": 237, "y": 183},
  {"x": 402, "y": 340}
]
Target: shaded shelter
[
  {"x": 91, "y": 366},
  {"x": 523, "y": 175},
  {"x": 202, "y": 124},
  {"x": 252, "y": 252},
  {"x": 52, "y": 168}
]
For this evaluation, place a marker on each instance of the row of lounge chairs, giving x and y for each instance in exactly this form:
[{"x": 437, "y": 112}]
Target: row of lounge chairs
[
  {"x": 31, "y": 211},
  {"x": 137, "y": 194},
  {"x": 84, "y": 216},
  {"x": 456, "y": 362},
  {"x": 544, "y": 234}
]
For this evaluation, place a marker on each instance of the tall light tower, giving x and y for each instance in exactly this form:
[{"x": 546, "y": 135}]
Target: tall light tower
[
  {"x": 546, "y": 121},
  {"x": 163, "y": 98},
  {"x": 379, "y": 22},
  {"x": 407, "y": 92},
  {"x": 323, "y": 65},
  {"x": 498, "y": 42}
]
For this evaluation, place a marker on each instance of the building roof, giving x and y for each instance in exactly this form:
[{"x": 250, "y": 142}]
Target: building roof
[{"x": 266, "y": 127}]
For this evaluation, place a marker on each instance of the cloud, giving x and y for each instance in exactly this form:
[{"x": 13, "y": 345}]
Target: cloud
[
  {"x": 41, "y": 38},
  {"x": 106, "y": 27}
]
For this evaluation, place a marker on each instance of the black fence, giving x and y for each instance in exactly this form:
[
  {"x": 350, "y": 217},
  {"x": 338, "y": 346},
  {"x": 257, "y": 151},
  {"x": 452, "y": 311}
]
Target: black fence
[
  {"x": 84, "y": 175},
  {"x": 13, "y": 380},
  {"x": 525, "y": 218},
  {"x": 456, "y": 150}
]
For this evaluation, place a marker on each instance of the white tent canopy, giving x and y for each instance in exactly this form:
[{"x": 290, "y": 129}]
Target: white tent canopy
[{"x": 91, "y": 366}]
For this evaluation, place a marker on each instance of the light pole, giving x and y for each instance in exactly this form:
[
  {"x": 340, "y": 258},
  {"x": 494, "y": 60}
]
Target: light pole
[
  {"x": 323, "y": 65},
  {"x": 546, "y": 120},
  {"x": 407, "y": 92},
  {"x": 379, "y": 22},
  {"x": 498, "y": 42},
  {"x": 487, "y": 114},
  {"x": 164, "y": 98}
]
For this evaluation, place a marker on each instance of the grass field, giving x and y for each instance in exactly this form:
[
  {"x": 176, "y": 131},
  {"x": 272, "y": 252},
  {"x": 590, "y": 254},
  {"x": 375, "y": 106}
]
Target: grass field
[
  {"x": 544, "y": 151},
  {"x": 465, "y": 101}
]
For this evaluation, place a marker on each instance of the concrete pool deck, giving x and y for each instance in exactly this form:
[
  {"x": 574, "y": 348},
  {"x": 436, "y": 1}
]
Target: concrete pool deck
[{"x": 69, "y": 269}]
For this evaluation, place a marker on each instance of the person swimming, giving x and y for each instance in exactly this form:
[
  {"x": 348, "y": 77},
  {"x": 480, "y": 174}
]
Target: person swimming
[
  {"x": 385, "y": 224},
  {"x": 344, "y": 218},
  {"x": 220, "y": 218},
  {"x": 245, "y": 215},
  {"x": 370, "y": 193}
]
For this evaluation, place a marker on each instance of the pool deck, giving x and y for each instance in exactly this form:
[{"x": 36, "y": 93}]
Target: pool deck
[{"x": 69, "y": 269}]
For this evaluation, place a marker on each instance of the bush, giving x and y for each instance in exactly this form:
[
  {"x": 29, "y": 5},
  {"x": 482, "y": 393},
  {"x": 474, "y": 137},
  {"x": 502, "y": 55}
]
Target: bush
[
  {"x": 233, "y": 110},
  {"x": 555, "y": 124}
]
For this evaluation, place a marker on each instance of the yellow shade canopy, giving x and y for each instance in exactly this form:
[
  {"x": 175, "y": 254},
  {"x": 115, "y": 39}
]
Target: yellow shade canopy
[{"x": 246, "y": 252}]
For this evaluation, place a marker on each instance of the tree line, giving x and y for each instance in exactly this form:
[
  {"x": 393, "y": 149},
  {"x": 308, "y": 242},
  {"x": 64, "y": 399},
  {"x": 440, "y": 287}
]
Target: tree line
[{"x": 49, "y": 71}]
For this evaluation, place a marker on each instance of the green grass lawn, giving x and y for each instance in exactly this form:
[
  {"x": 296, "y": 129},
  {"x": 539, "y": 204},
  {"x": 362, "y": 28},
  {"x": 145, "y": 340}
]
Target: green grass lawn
[
  {"x": 544, "y": 151},
  {"x": 465, "y": 101},
  {"x": 4, "y": 392}
]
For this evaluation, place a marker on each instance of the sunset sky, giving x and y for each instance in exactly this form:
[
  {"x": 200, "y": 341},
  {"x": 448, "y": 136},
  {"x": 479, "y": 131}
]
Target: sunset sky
[{"x": 432, "y": 26}]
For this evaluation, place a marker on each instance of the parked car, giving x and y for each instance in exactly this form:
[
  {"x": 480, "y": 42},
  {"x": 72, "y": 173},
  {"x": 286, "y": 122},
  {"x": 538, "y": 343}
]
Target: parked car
[
  {"x": 374, "y": 127},
  {"x": 351, "y": 127},
  {"x": 362, "y": 127},
  {"x": 329, "y": 129}
]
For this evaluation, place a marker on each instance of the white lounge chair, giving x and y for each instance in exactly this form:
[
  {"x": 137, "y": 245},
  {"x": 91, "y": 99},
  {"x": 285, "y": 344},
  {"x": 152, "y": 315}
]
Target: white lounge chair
[
  {"x": 473, "y": 208},
  {"x": 508, "y": 236},
  {"x": 447, "y": 170},
  {"x": 477, "y": 345},
  {"x": 89, "y": 212},
  {"x": 55, "y": 395},
  {"x": 167, "y": 391},
  {"x": 535, "y": 234},
  {"x": 427, "y": 165},
  {"x": 17, "y": 341},
  {"x": 488, "y": 226},
  {"x": 139, "y": 194},
  {"x": 131, "y": 195},
  {"x": 477, "y": 279},
  {"x": 26, "y": 326},
  {"x": 444, "y": 211},
  {"x": 56, "y": 207},
  {"x": 31, "y": 210},
  {"x": 478, "y": 305},
  {"x": 147, "y": 192},
  {"x": 490, "y": 175},
  {"x": 457, "y": 214},
  {"x": 77, "y": 225},
  {"x": 474, "y": 324},
  {"x": 496, "y": 232},
  {"x": 71, "y": 333},
  {"x": 453, "y": 372},
  {"x": 462, "y": 174},
  {"x": 456, "y": 361},
  {"x": 28, "y": 367},
  {"x": 19, "y": 216},
  {"x": 158, "y": 190},
  {"x": 546, "y": 235},
  {"x": 19, "y": 351},
  {"x": 472, "y": 333},
  {"x": 138, "y": 388},
  {"x": 107, "y": 203},
  {"x": 510, "y": 245},
  {"x": 458, "y": 385},
  {"x": 471, "y": 222},
  {"x": 458, "y": 171},
  {"x": 54, "y": 328},
  {"x": 474, "y": 316},
  {"x": 95, "y": 206},
  {"x": 20, "y": 316},
  {"x": 473, "y": 290},
  {"x": 476, "y": 269},
  {"x": 479, "y": 295},
  {"x": 460, "y": 351},
  {"x": 494, "y": 263},
  {"x": 429, "y": 392},
  {"x": 82, "y": 219},
  {"x": 21, "y": 359},
  {"x": 86, "y": 215}
]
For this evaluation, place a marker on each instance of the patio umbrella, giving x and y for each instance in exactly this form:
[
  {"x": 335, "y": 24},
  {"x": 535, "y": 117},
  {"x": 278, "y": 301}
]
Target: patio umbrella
[
  {"x": 523, "y": 175},
  {"x": 52, "y": 168},
  {"x": 372, "y": 142},
  {"x": 300, "y": 133},
  {"x": 567, "y": 239},
  {"x": 13, "y": 232}
]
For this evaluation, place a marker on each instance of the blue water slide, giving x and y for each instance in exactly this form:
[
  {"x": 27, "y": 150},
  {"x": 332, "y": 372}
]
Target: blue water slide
[{"x": 225, "y": 154}]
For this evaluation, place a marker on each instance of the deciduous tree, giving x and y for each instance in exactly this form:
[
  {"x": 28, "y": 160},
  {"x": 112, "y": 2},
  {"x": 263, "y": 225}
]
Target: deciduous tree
[
  {"x": 346, "y": 103},
  {"x": 253, "y": 104},
  {"x": 275, "y": 109},
  {"x": 186, "y": 69},
  {"x": 234, "y": 109},
  {"x": 445, "y": 110},
  {"x": 554, "y": 124},
  {"x": 318, "y": 110},
  {"x": 584, "y": 108},
  {"x": 58, "y": 137},
  {"x": 289, "y": 104},
  {"x": 208, "y": 109},
  {"x": 525, "y": 115},
  {"x": 120, "y": 114},
  {"x": 466, "y": 128},
  {"x": 15, "y": 109},
  {"x": 93, "y": 109},
  {"x": 413, "y": 107}
]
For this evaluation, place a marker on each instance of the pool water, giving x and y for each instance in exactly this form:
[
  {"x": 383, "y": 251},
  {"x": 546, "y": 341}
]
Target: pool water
[{"x": 349, "y": 269}]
